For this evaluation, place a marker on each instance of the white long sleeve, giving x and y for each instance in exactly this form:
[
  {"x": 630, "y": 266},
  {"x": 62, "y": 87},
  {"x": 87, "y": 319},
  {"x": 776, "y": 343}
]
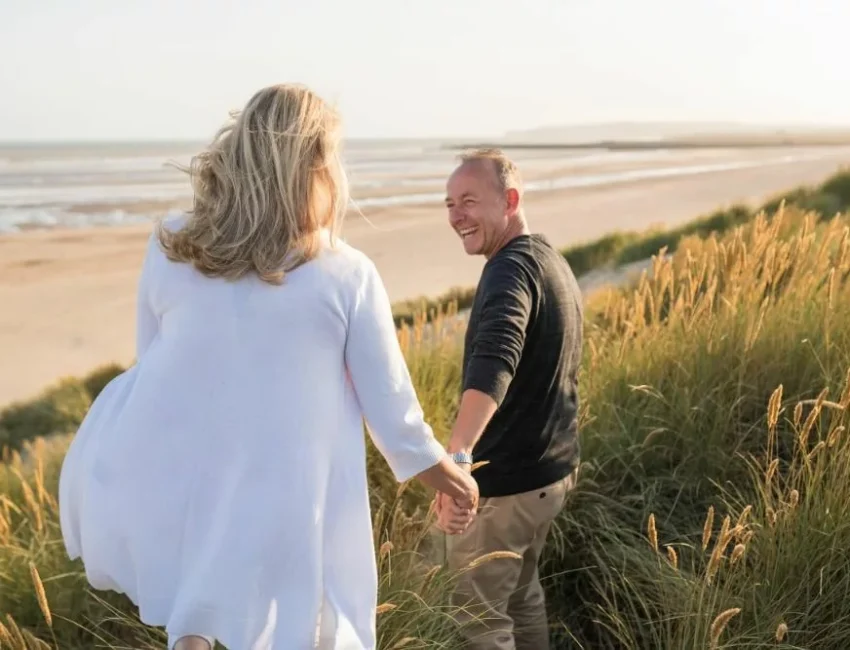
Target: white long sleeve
[{"x": 382, "y": 382}]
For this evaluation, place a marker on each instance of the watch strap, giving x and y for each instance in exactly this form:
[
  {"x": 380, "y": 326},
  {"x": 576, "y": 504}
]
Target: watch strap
[{"x": 462, "y": 458}]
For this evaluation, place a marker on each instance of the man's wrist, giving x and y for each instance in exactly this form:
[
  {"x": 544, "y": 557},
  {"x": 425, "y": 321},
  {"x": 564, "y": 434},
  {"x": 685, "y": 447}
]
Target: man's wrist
[
  {"x": 461, "y": 457},
  {"x": 458, "y": 445}
]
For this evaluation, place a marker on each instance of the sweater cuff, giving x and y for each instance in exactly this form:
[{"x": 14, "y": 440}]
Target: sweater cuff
[
  {"x": 489, "y": 375},
  {"x": 417, "y": 459}
]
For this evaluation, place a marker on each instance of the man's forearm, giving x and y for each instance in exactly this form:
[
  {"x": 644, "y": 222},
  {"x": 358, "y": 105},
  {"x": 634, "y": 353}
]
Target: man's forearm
[{"x": 476, "y": 410}]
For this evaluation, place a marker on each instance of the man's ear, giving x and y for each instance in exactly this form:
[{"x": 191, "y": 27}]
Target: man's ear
[{"x": 512, "y": 198}]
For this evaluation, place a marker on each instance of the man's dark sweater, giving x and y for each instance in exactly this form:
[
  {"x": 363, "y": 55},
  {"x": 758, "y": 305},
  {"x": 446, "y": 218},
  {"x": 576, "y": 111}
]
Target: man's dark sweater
[{"x": 523, "y": 348}]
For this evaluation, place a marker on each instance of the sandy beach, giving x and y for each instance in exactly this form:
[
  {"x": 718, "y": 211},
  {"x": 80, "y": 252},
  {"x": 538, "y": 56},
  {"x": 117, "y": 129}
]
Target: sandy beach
[{"x": 67, "y": 296}]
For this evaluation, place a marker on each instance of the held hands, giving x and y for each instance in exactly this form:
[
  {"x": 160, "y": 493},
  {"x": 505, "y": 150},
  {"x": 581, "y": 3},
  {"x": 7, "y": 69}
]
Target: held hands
[
  {"x": 453, "y": 518},
  {"x": 454, "y": 515}
]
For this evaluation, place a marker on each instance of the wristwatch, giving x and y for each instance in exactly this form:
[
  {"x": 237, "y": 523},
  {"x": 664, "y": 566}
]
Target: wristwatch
[{"x": 462, "y": 458}]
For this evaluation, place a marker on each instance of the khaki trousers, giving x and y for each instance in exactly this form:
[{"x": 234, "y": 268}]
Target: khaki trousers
[{"x": 504, "y": 607}]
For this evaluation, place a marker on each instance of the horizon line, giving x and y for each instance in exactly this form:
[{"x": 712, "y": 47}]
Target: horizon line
[{"x": 506, "y": 136}]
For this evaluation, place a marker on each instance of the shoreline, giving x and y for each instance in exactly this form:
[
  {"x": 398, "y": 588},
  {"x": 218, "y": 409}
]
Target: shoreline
[
  {"x": 69, "y": 294},
  {"x": 117, "y": 202}
]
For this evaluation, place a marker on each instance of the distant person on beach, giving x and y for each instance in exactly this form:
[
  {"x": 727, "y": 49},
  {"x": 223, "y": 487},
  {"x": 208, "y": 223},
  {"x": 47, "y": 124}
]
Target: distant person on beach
[
  {"x": 221, "y": 482},
  {"x": 518, "y": 406}
]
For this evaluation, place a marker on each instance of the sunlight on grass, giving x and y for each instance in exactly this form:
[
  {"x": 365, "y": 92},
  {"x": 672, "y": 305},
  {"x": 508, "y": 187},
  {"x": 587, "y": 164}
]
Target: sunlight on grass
[{"x": 713, "y": 500}]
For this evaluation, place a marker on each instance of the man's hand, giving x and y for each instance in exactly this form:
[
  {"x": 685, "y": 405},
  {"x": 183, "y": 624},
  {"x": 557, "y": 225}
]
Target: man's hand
[
  {"x": 453, "y": 515},
  {"x": 453, "y": 518}
]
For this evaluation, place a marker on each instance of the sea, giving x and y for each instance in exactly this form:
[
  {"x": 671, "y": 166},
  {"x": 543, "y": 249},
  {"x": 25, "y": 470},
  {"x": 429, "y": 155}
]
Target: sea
[{"x": 50, "y": 185}]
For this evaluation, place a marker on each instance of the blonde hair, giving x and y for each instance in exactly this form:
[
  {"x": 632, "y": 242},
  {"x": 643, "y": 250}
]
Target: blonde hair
[
  {"x": 267, "y": 185},
  {"x": 507, "y": 173}
]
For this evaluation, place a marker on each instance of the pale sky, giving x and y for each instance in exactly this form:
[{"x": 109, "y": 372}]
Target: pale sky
[{"x": 161, "y": 69}]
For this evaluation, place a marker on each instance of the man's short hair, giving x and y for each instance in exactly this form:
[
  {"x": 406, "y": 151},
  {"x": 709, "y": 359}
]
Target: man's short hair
[{"x": 506, "y": 170}]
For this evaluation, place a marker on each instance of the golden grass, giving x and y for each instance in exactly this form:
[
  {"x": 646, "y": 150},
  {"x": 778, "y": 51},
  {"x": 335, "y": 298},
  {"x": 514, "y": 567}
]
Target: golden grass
[{"x": 713, "y": 508}]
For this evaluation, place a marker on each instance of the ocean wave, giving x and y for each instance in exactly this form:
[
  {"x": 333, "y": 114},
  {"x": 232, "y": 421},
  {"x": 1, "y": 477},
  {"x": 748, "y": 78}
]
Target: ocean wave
[
  {"x": 89, "y": 164},
  {"x": 79, "y": 195},
  {"x": 607, "y": 178},
  {"x": 15, "y": 220},
  {"x": 66, "y": 206}
]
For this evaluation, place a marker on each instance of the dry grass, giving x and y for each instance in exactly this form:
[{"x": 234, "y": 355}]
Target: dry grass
[
  {"x": 826, "y": 199},
  {"x": 706, "y": 390},
  {"x": 712, "y": 507}
]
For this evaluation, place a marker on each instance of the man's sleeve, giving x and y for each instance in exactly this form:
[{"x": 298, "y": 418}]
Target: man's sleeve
[{"x": 496, "y": 349}]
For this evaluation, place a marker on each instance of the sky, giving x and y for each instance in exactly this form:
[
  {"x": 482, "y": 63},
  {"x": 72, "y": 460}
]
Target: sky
[{"x": 173, "y": 69}]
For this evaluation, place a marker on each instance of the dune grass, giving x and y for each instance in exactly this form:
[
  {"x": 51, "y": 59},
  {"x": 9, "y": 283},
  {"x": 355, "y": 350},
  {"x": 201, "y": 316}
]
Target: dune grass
[
  {"x": 711, "y": 509},
  {"x": 703, "y": 392},
  {"x": 408, "y": 312},
  {"x": 826, "y": 199}
]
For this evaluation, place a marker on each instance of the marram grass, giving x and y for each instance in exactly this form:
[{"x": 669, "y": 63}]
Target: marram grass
[{"x": 713, "y": 503}]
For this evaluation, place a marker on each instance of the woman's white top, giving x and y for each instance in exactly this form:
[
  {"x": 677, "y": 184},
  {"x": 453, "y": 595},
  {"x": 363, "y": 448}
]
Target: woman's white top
[{"x": 220, "y": 482}]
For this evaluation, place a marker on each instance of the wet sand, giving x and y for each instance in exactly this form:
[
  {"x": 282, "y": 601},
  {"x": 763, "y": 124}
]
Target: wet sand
[{"x": 67, "y": 297}]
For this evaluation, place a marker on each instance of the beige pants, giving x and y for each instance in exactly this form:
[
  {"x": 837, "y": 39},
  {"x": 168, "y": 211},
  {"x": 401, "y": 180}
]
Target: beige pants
[{"x": 503, "y": 603}]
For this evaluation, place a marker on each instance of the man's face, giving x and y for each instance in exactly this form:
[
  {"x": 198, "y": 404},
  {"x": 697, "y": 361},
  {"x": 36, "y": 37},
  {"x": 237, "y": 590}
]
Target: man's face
[{"x": 479, "y": 211}]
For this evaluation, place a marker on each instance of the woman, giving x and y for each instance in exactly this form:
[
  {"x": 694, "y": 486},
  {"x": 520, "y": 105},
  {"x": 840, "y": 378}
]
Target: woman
[{"x": 221, "y": 481}]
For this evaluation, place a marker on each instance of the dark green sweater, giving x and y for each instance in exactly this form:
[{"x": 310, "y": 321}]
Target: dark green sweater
[{"x": 523, "y": 348}]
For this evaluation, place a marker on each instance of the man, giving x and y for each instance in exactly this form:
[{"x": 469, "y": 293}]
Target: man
[{"x": 518, "y": 406}]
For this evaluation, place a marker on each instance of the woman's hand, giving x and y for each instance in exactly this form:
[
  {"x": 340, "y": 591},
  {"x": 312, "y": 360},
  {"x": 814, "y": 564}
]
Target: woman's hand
[
  {"x": 454, "y": 515},
  {"x": 457, "y": 494}
]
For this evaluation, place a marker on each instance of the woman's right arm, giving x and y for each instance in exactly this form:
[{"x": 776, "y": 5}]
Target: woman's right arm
[{"x": 388, "y": 399}]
